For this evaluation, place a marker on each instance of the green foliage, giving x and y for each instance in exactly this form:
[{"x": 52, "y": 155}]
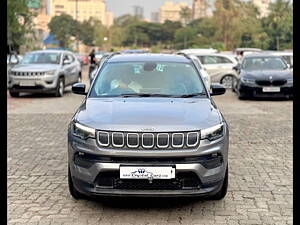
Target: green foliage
[
  {"x": 63, "y": 27},
  {"x": 279, "y": 24},
  {"x": 19, "y": 23}
]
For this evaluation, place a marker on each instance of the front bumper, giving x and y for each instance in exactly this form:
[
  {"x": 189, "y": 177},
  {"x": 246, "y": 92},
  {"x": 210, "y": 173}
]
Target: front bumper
[
  {"x": 199, "y": 172},
  {"x": 42, "y": 84},
  {"x": 254, "y": 90}
]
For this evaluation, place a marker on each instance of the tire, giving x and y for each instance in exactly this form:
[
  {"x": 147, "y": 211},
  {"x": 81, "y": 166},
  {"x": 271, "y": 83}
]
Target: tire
[
  {"x": 74, "y": 193},
  {"x": 223, "y": 191},
  {"x": 14, "y": 94},
  {"x": 60, "y": 87},
  {"x": 227, "y": 81}
]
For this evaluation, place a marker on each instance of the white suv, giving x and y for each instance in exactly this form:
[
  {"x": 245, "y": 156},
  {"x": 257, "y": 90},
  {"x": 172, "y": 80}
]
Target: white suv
[{"x": 219, "y": 67}]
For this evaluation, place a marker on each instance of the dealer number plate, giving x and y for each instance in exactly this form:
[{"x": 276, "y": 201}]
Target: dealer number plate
[{"x": 147, "y": 172}]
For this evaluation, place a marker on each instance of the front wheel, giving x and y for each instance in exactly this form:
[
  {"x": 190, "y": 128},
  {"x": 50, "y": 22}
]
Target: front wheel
[
  {"x": 223, "y": 191},
  {"x": 60, "y": 87},
  {"x": 14, "y": 94},
  {"x": 74, "y": 193},
  {"x": 228, "y": 81}
]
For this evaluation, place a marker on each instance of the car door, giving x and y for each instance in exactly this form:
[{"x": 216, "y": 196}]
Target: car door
[
  {"x": 211, "y": 64},
  {"x": 75, "y": 65},
  {"x": 67, "y": 68}
]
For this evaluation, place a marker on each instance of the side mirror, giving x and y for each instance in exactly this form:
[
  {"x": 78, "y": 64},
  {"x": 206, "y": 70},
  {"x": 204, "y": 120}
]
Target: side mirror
[
  {"x": 66, "y": 61},
  {"x": 237, "y": 67},
  {"x": 217, "y": 89},
  {"x": 79, "y": 89}
]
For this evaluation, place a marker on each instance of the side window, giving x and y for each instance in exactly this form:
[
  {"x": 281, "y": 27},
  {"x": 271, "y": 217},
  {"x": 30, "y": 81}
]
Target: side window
[
  {"x": 223, "y": 60},
  {"x": 210, "y": 60},
  {"x": 72, "y": 59},
  {"x": 197, "y": 64}
]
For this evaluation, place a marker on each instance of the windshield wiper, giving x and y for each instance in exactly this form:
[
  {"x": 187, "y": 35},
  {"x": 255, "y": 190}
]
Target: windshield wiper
[
  {"x": 191, "y": 95},
  {"x": 144, "y": 95}
]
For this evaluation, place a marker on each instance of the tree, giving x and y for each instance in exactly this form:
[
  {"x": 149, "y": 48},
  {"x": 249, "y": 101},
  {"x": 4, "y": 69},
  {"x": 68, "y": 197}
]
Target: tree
[
  {"x": 64, "y": 27},
  {"x": 279, "y": 24},
  {"x": 19, "y": 23},
  {"x": 186, "y": 15}
]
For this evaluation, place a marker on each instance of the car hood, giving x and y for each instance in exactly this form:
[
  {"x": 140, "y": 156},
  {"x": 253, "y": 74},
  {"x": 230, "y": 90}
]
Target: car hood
[
  {"x": 35, "y": 67},
  {"x": 148, "y": 114},
  {"x": 266, "y": 74}
]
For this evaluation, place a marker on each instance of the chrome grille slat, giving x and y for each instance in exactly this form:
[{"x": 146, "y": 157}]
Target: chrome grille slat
[{"x": 148, "y": 140}]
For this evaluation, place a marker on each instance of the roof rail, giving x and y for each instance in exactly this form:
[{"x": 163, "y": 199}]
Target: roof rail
[{"x": 183, "y": 54}]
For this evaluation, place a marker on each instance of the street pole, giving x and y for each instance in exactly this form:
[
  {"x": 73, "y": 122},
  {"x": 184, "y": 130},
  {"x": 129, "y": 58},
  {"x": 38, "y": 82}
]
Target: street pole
[{"x": 277, "y": 38}]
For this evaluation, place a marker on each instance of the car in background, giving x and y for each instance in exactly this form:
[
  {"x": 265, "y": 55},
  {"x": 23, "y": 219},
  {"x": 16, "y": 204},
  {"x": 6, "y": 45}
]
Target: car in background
[
  {"x": 202, "y": 70},
  {"x": 246, "y": 51},
  {"x": 99, "y": 55},
  {"x": 198, "y": 50},
  {"x": 83, "y": 59},
  {"x": 219, "y": 67},
  {"x": 134, "y": 51},
  {"x": 264, "y": 75},
  {"x": 44, "y": 71}
]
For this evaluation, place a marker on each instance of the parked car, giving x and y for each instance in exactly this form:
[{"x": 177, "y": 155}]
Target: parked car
[
  {"x": 202, "y": 70},
  {"x": 219, "y": 67},
  {"x": 134, "y": 51},
  {"x": 264, "y": 75},
  {"x": 99, "y": 55},
  {"x": 83, "y": 59},
  {"x": 148, "y": 127},
  {"x": 44, "y": 71},
  {"x": 198, "y": 50}
]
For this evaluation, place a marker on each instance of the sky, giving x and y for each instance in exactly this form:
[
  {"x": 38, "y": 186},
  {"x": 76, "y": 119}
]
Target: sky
[{"x": 120, "y": 7}]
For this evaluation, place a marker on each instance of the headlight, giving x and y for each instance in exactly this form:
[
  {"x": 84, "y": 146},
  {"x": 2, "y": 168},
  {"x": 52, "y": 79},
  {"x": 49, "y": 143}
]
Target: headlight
[
  {"x": 213, "y": 133},
  {"x": 82, "y": 131},
  {"x": 290, "y": 81},
  {"x": 247, "y": 80},
  {"x": 51, "y": 72}
]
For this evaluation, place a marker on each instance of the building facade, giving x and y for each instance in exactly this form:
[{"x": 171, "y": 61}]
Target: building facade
[
  {"x": 171, "y": 11},
  {"x": 263, "y": 6},
  {"x": 85, "y": 9}
]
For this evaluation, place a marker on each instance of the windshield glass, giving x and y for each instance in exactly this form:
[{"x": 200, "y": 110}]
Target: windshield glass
[
  {"x": 160, "y": 79},
  {"x": 264, "y": 63},
  {"x": 42, "y": 58}
]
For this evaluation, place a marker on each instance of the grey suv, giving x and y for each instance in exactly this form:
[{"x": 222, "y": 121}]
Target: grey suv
[
  {"x": 148, "y": 127},
  {"x": 44, "y": 71}
]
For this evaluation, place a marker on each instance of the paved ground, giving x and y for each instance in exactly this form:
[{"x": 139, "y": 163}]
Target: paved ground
[{"x": 260, "y": 163}]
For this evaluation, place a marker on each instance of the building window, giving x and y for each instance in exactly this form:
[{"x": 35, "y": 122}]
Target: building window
[{"x": 59, "y": 6}]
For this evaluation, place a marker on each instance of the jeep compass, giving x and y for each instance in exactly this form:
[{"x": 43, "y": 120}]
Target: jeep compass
[{"x": 148, "y": 127}]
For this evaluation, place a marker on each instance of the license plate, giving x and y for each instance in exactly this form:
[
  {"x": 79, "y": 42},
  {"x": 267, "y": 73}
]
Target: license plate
[
  {"x": 27, "y": 83},
  {"x": 147, "y": 172},
  {"x": 271, "y": 89}
]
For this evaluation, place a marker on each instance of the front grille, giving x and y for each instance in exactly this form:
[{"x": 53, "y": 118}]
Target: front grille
[
  {"x": 26, "y": 74},
  {"x": 184, "y": 180},
  {"x": 166, "y": 141},
  {"x": 270, "y": 82}
]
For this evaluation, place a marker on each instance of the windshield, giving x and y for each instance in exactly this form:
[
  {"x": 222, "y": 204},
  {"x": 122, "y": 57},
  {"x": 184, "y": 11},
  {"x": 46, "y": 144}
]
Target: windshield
[
  {"x": 42, "y": 58},
  {"x": 264, "y": 63},
  {"x": 146, "y": 79}
]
